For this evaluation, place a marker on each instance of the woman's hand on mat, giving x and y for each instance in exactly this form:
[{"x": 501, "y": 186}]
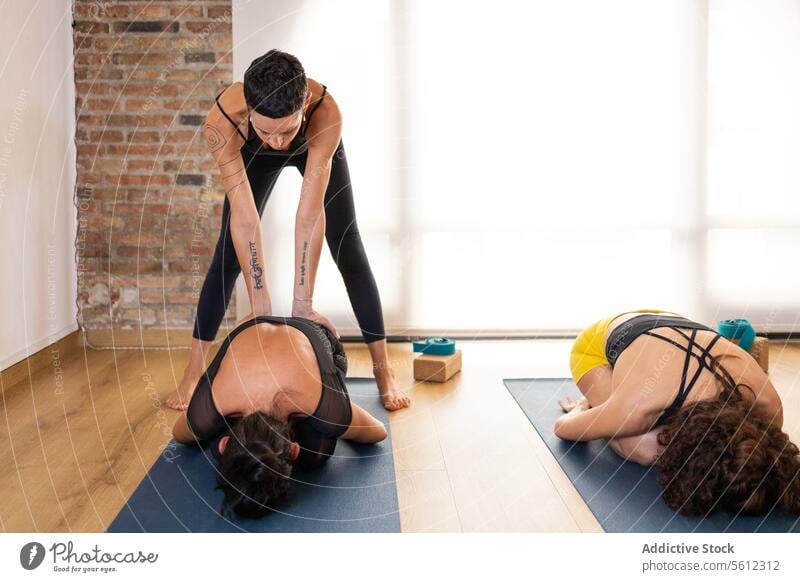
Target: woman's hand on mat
[
  {"x": 304, "y": 309},
  {"x": 567, "y": 404}
]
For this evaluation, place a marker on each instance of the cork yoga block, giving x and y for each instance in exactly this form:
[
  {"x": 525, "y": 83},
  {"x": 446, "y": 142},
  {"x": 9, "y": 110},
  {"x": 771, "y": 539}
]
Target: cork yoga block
[
  {"x": 436, "y": 368},
  {"x": 760, "y": 351}
]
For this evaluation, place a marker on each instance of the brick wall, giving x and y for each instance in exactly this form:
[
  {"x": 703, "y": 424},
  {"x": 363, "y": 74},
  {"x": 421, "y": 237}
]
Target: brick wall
[{"x": 148, "y": 197}]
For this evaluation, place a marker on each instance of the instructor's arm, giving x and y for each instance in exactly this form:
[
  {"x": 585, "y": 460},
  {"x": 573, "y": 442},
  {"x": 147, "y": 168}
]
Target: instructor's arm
[
  {"x": 324, "y": 132},
  {"x": 245, "y": 224}
]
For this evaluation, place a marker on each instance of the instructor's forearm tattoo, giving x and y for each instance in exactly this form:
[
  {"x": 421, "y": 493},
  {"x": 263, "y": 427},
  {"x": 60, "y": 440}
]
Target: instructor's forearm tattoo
[
  {"x": 256, "y": 272},
  {"x": 303, "y": 264}
]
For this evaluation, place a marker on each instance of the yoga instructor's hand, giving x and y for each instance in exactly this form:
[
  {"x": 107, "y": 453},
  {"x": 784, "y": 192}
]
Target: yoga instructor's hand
[
  {"x": 568, "y": 404},
  {"x": 304, "y": 309}
]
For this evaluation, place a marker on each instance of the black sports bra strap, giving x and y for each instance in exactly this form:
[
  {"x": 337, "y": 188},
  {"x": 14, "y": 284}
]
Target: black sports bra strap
[
  {"x": 689, "y": 353},
  {"x": 675, "y": 329},
  {"x": 705, "y": 354},
  {"x": 317, "y": 104},
  {"x": 702, "y": 360},
  {"x": 228, "y": 117},
  {"x": 325, "y": 362},
  {"x": 679, "y": 346},
  {"x": 211, "y": 372},
  {"x": 711, "y": 344},
  {"x": 666, "y": 339}
]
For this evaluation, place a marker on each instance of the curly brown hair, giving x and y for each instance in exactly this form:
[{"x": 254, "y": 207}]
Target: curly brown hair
[{"x": 722, "y": 454}]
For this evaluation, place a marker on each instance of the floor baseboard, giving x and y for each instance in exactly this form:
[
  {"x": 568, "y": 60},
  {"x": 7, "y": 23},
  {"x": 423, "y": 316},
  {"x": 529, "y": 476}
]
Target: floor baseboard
[{"x": 51, "y": 355}]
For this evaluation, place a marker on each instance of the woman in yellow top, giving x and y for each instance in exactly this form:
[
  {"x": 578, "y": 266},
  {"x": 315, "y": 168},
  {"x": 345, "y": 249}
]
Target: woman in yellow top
[
  {"x": 672, "y": 392},
  {"x": 589, "y": 350}
]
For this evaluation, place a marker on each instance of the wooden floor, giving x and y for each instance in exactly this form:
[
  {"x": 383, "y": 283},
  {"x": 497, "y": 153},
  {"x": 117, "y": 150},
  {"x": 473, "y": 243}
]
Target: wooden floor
[{"x": 75, "y": 447}]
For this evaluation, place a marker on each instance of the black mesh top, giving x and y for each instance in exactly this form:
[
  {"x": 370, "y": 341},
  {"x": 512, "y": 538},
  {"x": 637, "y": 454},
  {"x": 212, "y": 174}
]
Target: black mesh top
[{"x": 316, "y": 434}]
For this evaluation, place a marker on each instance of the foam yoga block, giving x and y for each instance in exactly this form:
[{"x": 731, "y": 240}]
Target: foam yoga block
[
  {"x": 437, "y": 368},
  {"x": 760, "y": 351}
]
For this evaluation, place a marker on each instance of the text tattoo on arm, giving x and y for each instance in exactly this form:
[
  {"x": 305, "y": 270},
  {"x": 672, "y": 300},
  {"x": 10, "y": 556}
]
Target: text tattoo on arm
[
  {"x": 256, "y": 272},
  {"x": 303, "y": 263}
]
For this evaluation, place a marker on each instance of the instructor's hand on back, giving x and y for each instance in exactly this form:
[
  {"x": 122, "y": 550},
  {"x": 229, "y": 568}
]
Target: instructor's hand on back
[{"x": 303, "y": 308}]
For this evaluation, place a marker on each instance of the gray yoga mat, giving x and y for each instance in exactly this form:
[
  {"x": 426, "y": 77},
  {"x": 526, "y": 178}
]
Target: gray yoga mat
[
  {"x": 624, "y": 496},
  {"x": 354, "y": 492}
]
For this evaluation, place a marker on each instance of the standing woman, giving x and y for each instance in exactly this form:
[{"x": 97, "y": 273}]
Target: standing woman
[{"x": 276, "y": 118}]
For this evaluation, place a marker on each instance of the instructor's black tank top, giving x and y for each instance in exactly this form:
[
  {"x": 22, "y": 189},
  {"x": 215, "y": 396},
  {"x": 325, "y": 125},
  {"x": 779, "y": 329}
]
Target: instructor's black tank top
[
  {"x": 255, "y": 147},
  {"x": 316, "y": 434}
]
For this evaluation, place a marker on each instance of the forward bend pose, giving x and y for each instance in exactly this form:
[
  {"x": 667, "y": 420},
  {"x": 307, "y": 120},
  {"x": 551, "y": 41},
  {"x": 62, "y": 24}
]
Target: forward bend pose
[
  {"x": 274, "y": 397},
  {"x": 674, "y": 393},
  {"x": 276, "y": 118}
]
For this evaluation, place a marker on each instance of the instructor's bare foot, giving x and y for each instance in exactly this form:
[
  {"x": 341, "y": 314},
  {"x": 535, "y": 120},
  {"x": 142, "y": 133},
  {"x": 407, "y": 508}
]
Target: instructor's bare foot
[
  {"x": 179, "y": 399},
  {"x": 393, "y": 398}
]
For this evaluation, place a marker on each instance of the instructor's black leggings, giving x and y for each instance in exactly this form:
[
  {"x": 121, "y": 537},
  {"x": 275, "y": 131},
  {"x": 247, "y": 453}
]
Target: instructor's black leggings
[{"x": 341, "y": 233}]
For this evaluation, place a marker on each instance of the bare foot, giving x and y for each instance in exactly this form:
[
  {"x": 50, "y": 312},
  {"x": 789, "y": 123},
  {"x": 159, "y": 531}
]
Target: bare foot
[
  {"x": 179, "y": 400},
  {"x": 393, "y": 398}
]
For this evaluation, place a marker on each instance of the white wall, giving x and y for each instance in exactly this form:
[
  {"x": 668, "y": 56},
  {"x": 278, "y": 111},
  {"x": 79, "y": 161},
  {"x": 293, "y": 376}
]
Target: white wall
[{"x": 37, "y": 177}]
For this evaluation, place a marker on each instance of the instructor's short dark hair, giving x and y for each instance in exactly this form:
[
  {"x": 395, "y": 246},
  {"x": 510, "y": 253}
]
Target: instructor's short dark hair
[{"x": 275, "y": 84}]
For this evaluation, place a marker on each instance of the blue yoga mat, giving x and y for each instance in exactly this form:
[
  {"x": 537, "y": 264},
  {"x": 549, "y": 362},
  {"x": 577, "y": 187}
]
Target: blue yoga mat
[
  {"x": 354, "y": 492},
  {"x": 624, "y": 496}
]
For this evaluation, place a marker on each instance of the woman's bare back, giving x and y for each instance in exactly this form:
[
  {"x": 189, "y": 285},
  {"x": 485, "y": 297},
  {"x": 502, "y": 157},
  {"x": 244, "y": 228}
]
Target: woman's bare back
[
  {"x": 649, "y": 371},
  {"x": 268, "y": 367}
]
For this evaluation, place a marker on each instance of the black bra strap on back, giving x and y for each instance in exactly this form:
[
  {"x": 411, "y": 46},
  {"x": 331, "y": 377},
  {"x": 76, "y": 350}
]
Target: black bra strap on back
[
  {"x": 212, "y": 369},
  {"x": 326, "y": 365},
  {"x": 666, "y": 339},
  {"x": 676, "y": 344},
  {"x": 228, "y": 117},
  {"x": 706, "y": 353},
  {"x": 317, "y": 104},
  {"x": 683, "y": 390},
  {"x": 702, "y": 359}
]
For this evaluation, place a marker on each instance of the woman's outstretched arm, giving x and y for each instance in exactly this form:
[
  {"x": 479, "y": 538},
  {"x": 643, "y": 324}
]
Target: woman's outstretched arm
[
  {"x": 181, "y": 432},
  {"x": 201, "y": 421},
  {"x": 612, "y": 419},
  {"x": 641, "y": 448},
  {"x": 364, "y": 428}
]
